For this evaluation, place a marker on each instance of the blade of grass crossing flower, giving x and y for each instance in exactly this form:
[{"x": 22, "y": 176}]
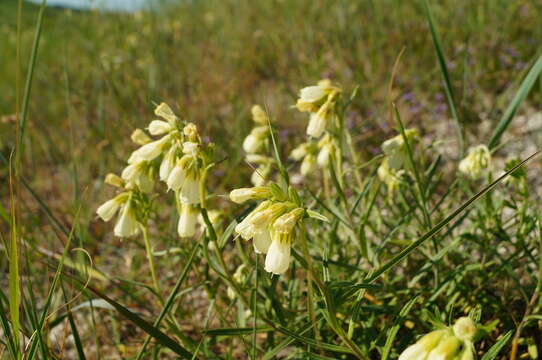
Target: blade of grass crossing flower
[
  {"x": 282, "y": 169},
  {"x": 420, "y": 184},
  {"x": 434, "y": 230},
  {"x": 444, "y": 70},
  {"x": 511, "y": 110}
]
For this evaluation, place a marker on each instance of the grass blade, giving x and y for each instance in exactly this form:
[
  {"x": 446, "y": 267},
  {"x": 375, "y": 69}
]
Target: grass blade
[
  {"x": 522, "y": 92},
  {"x": 444, "y": 70},
  {"x": 495, "y": 349},
  {"x": 434, "y": 230}
]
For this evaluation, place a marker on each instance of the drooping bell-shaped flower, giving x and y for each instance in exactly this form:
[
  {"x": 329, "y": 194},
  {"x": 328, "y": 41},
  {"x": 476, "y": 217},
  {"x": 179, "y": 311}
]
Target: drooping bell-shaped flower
[
  {"x": 476, "y": 162},
  {"x": 423, "y": 347},
  {"x": 187, "y": 221},
  {"x": 277, "y": 260},
  {"x": 261, "y": 240},
  {"x": 256, "y": 139},
  {"x": 127, "y": 224},
  {"x": 308, "y": 165},
  {"x": 168, "y": 163},
  {"x": 311, "y": 97},
  {"x": 447, "y": 349},
  {"x": 396, "y": 149},
  {"x": 139, "y": 174},
  {"x": 108, "y": 209},
  {"x": 246, "y": 228},
  {"x": 319, "y": 120},
  {"x": 259, "y": 116},
  {"x": 190, "y": 189}
]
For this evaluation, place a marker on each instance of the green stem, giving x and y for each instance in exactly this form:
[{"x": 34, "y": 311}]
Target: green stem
[{"x": 150, "y": 257}]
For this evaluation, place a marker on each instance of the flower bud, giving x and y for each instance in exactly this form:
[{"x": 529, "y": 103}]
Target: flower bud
[
  {"x": 190, "y": 190},
  {"x": 159, "y": 127},
  {"x": 139, "y": 137},
  {"x": 319, "y": 120},
  {"x": 163, "y": 110},
  {"x": 114, "y": 180},
  {"x": 300, "y": 152},
  {"x": 149, "y": 151},
  {"x": 259, "y": 116},
  {"x": 464, "y": 328},
  {"x": 241, "y": 195},
  {"x": 127, "y": 224},
  {"x": 395, "y": 148}
]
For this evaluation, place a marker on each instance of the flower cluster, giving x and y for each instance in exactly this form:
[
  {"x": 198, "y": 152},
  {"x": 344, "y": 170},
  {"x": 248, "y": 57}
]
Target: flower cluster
[
  {"x": 450, "y": 343},
  {"x": 315, "y": 154},
  {"x": 256, "y": 145},
  {"x": 130, "y": 204},
  {"x": 320, "y": 101},
  {"x": 271, "y": 225},
  {"x": 476, "y": 162},
  {"x": 177, "y": 157},
  {"x": 390, "y": 171}
]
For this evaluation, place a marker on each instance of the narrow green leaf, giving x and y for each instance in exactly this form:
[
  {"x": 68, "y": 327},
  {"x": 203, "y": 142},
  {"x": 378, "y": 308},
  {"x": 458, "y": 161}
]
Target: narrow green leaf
[
  {"x": 497, "y": 347},
  {"x": 435, "y": 229},
  {"x": 446, "y": 76},
  {"x": 522, "y": 92}
]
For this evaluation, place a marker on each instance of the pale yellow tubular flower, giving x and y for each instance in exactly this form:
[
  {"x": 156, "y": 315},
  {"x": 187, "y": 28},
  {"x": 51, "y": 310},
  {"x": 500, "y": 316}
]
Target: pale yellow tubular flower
[
  {"x": 259, "y": 116},
  {"x": 261, "y": 240},
  {"x": 127, "y": 224},
  {"x": 168, "y": 163},
  {"x": 300, "y": 151},
  {"x": 476, "y": 162},
  {"x": 115, "y": 180},
  {"x": 308, "y": 165},
  {"x": 187, "y": 221},
  {"x": 108, "y": 210},
  {"x": 139, "y": 137},
  {"x": 268, "y": 216},
  {"x": 447, "y": 349},
  {"x": 241, "y": 195},
  {"x": 464, "y": 328},
  {"x": 256, "y": 139},
  {"x": 245, "y": 228},
  {"x": 277, "y": 259},
  {"x": 319, "y": 120},
  {"x": 149, "y": 151},
  {"x": 164, "y": 111},
  {"x": 190, "y": 189},
  {"x": 309, "y": 96},
  {"x": 159, "y": 127},
  {"x": 423, "y": 347},
  {"x": 177, "y": 175},
  {"x": 395, "y": 148}
]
